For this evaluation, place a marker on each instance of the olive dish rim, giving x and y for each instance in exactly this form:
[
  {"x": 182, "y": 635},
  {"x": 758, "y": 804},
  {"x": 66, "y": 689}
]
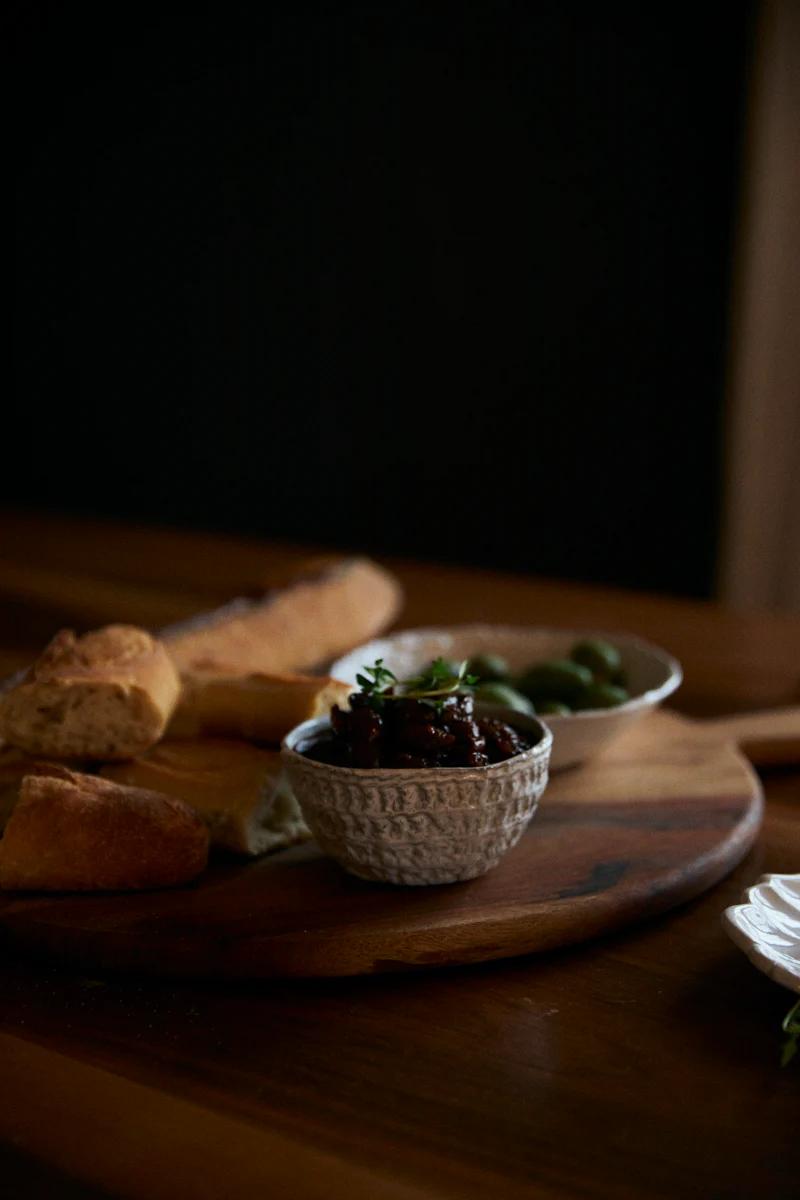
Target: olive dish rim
[{"x": 651, "y": 697}]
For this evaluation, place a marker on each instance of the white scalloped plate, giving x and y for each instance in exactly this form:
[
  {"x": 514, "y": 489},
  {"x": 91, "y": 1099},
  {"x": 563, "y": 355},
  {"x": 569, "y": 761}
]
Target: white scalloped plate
[{"x": 767, "y": 927}]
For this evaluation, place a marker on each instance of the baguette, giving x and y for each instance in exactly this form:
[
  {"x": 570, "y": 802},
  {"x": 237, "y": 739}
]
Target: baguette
[
  {"x": 258, "y": 707},
  {"x": 237, "y": 789},
  {"x": 106, "y": 695},
  {"x": 74, "y": 832},
  {"x": 14, "y": 766},
  {"x": 293, "y": 628}
]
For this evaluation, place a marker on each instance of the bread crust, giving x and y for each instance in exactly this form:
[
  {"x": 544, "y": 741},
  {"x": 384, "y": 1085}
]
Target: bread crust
[
  {"x": 256, "y": 707},
  {"x": 14, "y": 766},
  {"x": 76, "y": 832},
  {"x": 294, "y": 628},
  {"x": 238, "y": 789},
  {"x": 106, "y": 695}
]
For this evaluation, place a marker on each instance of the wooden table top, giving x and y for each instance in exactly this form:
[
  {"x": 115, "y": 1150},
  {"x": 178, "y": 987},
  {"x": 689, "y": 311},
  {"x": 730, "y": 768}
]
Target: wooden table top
[{"x": 645, "y": 1064}]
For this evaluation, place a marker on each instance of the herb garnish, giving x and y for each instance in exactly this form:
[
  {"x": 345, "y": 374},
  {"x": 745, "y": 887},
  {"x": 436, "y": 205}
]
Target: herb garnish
[
  {"x": 378, "y": 685},
  {"x": 440, "y": 679},
  {"x": 791, "y": 1025},
  {"x": 382, "y": 678}
]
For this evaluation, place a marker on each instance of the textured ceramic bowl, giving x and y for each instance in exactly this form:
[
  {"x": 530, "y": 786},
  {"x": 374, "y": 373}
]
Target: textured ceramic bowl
[
  {"x": 652, "y": 673},
  {"x": 433, "y": 825},
  {"x": 767, "y": 927}
]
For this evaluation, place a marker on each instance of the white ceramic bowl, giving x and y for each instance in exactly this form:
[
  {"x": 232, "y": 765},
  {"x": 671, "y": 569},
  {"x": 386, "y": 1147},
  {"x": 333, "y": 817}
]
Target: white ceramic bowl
[
  {"x": 652, "y": 673},
  {"x": 432, "y": 825},
  {"x": 767, "y": 927}
]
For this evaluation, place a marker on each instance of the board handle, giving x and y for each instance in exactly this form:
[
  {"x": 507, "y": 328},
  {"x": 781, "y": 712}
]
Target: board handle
[{"x": 768, "y": 739}]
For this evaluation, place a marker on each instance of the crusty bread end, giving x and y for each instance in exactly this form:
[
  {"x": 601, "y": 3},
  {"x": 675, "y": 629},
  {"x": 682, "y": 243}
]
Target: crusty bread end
[
  {"x": 106, "y": 695},
  {"x": 75, "y": 832},
  {"x": 239, "y": 790}
]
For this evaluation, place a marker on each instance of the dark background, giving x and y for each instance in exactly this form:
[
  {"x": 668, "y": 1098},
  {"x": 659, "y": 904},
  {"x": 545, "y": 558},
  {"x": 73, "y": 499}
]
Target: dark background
[{"x": 441, "y": 279}]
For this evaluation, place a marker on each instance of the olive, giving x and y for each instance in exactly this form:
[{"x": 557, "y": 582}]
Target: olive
[
  {"x": 340, "y": 721},
  {"x": 501, "y": 693},
  {"x": 465, "y": 730},
  {"x": 600, "y": 657},
  {"x": 459, "y": 707},
  {"x": 405, "y": 760},
  {"x": 427, "y": 738},
  {"x": 488, "y": 667},
  {"x": 620, "y": 678},
  {"x": 366, "y": 728},
  {"x": 472, "y": 758},
  {"x": 411, "y": 710},
  {"x": 501, "y": 740},
  {"x": 601, "y": 695},
  {"x": 559, "y": 679},
  {"x": 552, "y": 708}
]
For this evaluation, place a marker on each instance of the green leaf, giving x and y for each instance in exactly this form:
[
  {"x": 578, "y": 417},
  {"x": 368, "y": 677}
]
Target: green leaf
[
  {"x": 376, "y": 679},
  {"x": 791, "y": 1025},
  {"x": 439, "y": 679}
]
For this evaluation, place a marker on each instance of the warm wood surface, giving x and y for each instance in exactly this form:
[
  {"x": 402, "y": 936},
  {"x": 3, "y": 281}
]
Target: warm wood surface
[
  {"x": 641, "y": 1064},
  {"x": 665, "y": 813},
  {"x": 83, "y": 573}
]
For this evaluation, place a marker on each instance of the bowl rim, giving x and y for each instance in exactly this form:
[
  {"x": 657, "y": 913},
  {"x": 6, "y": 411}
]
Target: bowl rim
[
  {"x": 539, "y": 751},
  {"x": 647, "y": 699}
]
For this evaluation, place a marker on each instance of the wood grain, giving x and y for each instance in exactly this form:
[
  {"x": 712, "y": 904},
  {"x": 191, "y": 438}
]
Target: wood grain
[
  {"x": 755, "y": 657},
  {"x": 664, "y": 814},
  {"x": 642, "y": 1064},
  {"x": 626, "y": 1067},
  {"x": 767, "y": 739},
  {"x": 130, "y": 1121}
]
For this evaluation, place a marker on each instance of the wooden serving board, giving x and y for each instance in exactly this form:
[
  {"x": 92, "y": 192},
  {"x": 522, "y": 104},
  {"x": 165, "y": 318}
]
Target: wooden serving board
[{"x": 664, "y": 814}]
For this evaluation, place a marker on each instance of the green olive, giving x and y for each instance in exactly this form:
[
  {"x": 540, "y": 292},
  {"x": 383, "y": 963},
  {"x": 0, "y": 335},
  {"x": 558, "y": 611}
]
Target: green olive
[
  {"x": 552, "y": 708},
  {"x": 601, "y": 695},
  {"x": 495, "y": 692},
  {"x": 600, "y": 657},
  {"x": 558, "y": 679},
  {"x": 488, "y": 667}
]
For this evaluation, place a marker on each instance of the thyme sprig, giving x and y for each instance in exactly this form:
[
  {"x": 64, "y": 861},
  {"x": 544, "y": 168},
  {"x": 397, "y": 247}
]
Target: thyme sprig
[
  {"x": 438, "y": 680},
  {"x": 376, "y": 683},
  {"x": 380, "y": 679}
]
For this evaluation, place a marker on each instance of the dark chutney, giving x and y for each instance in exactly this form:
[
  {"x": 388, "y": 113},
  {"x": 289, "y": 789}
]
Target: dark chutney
[{"x": 408, "y": 733}]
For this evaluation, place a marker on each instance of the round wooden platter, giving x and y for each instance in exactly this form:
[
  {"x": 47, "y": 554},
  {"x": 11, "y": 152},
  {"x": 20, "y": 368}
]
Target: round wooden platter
[{"x": 663, "y": 815}]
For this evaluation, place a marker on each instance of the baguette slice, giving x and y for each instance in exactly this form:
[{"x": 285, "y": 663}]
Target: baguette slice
[
  {"x": 293, "y": 628},
  {"x": 258, "y": 707},
  {"x": 106, "y": 695},
  {"x": 239, "y": 791},
  {"x": 14, "y": 766},
  {"x": 74, "y": 832}
]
